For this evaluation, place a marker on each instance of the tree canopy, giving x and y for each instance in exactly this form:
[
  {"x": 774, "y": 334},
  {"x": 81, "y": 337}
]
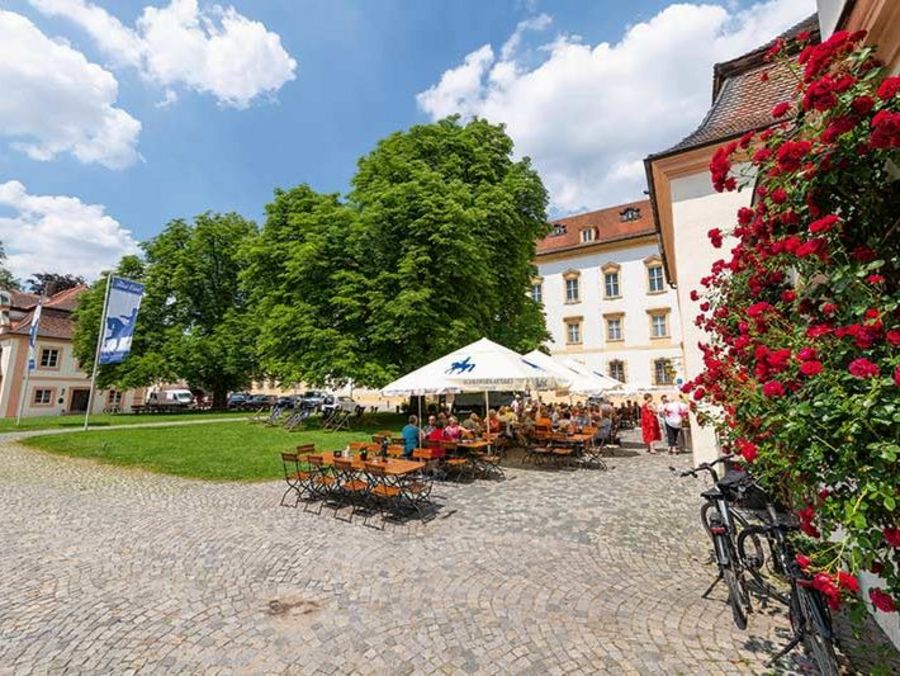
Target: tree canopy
[
  {"x": 193, "y": 323},
  {"x": 49, "y": 283},
  {"x": 7, "y": 280},
  {"x": 432, "y": 249}
]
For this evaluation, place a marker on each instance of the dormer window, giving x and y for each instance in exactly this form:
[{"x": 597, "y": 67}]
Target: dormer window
[
  {"x": 559, "y": 229},
  {"x": 587, "y": 235},
  {"x": 629, "y": 214}
]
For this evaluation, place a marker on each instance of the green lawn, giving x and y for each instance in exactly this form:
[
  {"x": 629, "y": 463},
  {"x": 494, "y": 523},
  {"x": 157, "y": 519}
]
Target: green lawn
[
  {"x": 227, "y": 451},
  {"x": 106, "y": 419}
]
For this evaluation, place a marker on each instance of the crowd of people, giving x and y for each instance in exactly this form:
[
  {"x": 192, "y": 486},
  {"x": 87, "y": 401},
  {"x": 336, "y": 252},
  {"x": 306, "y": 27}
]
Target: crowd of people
[{"x": 513, "y": 423}]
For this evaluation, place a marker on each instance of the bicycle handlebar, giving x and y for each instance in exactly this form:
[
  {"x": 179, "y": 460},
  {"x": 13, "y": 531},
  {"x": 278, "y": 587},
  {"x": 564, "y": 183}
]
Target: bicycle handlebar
[{"x": 705, "y": 467}]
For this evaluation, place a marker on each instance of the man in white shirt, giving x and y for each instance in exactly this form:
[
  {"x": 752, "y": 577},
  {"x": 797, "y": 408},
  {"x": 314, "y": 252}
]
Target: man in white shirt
[{"x": 674, "y": 415}]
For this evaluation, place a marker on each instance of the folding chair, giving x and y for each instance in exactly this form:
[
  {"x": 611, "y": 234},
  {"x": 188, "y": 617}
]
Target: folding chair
[
  {"x": 299, "y": 480},
  {"x": 453, "y": 463},
  {"x": 383, "y": 492},
  {"x": 351, "y": 488},
  {"x": 324, "y": 482},
  {"x": 340, "y": 420},
  {"x": 415, "y": 492},
  {"x": 396, "y": 450}
]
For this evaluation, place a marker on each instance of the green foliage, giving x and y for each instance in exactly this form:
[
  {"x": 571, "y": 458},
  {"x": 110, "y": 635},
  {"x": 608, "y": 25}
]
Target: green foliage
[
  {"x": 49, "y": 283},
  {"x": 432, "y": 250},
  {"x": 193, "y": 322},
  {"x": 7, "y": 281}
]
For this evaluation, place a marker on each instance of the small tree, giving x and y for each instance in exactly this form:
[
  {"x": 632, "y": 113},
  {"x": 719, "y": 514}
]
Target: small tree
[
  {"x": 804, "y": 315},
  {"x": 193, "y": 323},
  {"x": 7, "y": 280},
  {"x": 49, "y": 283}
]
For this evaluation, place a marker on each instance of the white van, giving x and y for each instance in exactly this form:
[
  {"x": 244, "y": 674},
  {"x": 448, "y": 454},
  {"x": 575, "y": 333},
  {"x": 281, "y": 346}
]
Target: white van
[{"x": 175, "y": 398}]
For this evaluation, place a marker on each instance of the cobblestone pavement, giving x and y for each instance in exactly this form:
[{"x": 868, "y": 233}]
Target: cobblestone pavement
[{"x": 104, "y": 569}]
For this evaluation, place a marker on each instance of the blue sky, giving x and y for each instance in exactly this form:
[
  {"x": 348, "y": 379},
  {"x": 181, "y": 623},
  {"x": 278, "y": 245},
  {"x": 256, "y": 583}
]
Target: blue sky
[{"x": 363, "y": 70}]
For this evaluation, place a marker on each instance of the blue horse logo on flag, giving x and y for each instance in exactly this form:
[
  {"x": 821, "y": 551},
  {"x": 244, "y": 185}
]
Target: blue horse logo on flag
[
  {"x": 464, "y": 366},
  {"x": 120, "y": 320}
]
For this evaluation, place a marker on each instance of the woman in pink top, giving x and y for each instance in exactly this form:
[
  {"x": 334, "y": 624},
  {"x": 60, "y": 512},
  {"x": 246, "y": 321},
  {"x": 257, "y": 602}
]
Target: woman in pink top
[{"x": 453, "y": 431}]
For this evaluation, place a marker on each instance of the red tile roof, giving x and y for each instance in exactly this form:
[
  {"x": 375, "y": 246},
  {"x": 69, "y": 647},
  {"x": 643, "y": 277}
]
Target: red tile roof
[
  {"x": 54, "y": 324},
  {"x": 607, "y": 224},
  {"x": 66, "y": 300},
  {"x": 741, "y": 100}
]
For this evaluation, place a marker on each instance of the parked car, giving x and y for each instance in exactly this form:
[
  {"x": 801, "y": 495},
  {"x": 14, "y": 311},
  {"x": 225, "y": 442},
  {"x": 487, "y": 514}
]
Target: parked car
[
  {"x": 237, "y": 399},
  {"x": 312, "y": 400},
  {"x": 260, "y": 401},
  {"x": 171, "y": 400},
  {"x": 286, "y": 401},
  {"x": 333, "y": 402}
]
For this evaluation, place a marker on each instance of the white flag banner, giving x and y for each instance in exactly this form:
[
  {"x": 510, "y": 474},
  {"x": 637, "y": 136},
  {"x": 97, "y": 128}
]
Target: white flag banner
[
  {"x": 121, "y": 317},
  {"x": 32, "y": 337}
]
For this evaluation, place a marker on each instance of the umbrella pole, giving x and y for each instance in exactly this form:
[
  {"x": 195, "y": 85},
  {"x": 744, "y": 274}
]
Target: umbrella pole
[{"x": 487, "y": 426}]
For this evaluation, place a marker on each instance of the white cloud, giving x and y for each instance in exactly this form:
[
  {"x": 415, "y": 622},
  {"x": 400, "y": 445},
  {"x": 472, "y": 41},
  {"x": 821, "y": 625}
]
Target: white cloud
[
  {"x": 55, "y": 233},
  {"x": 217, "y": 50},
  {"x": 54, "y": 101},
  {"x": 588, "y": 114}
]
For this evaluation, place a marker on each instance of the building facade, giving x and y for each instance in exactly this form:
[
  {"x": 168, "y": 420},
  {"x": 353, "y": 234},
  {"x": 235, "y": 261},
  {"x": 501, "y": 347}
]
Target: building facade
[
  {"x": 606, "y": 301},
  {"x": 57, "y": 386}
]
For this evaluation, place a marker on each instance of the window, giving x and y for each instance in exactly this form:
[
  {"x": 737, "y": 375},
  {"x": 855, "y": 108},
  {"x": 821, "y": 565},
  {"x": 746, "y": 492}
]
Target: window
[
  {"x": 614, "y": 328},
  {"x": 655, "y": 279},
  {"x": 559, "y": 229},
  {"x": 49, "y": 358},
  {"x": 42, "y": 397},
  {"x": 573, "y": 331},
  {"x": 587, "y": 235},
  {"x": 113, "y": 398},
  {"x": 629, "y": 214},
  {"x": 617, "y": 370},
  {"x": 659, "y": 324},
  {"x": 537, "y": 293},
  {"x": 611, "y": 284},
  {"x": 663, "y": 373},
  {"x": 572, "y": 290}
]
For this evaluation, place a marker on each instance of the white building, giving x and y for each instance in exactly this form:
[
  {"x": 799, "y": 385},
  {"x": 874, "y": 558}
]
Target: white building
[{"x": 605, "y": 297}]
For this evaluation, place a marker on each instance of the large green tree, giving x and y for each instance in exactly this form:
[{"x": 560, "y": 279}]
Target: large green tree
[
  {"x": 433, "y": 249},
  {"x": 193, "y": 322}
]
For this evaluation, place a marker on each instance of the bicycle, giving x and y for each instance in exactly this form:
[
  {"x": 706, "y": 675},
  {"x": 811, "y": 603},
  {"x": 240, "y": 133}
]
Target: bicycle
[
  {"x": 718, "y": 519},
  {"x": 809, "y": 615}
]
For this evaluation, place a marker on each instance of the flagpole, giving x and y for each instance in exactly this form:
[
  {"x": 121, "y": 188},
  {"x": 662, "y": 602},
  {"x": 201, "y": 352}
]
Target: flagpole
[
  {"x": 24, "y": 392},
  {"x": 29, "y": 355},
  {"x": 90, "y": 402}
]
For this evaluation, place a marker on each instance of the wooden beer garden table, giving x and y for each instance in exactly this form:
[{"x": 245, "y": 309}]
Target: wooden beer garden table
[{"x": 392, "y": 466}]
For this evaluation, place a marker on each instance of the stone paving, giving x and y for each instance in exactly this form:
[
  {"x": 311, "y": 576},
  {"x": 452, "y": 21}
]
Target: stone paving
[{"x": 104, "y": 569}]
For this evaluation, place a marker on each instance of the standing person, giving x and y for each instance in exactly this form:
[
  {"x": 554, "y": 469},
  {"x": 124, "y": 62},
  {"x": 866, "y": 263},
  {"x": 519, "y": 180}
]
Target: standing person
[
  {"x": 674, "y": 413},
  {"x": 412, "y": 436},
  {"x": 649, "y": 424}
]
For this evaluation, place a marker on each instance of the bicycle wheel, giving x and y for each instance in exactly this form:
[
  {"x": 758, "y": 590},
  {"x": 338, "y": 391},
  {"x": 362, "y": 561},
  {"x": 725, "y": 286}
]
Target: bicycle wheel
[
  {"x": 752, "y": 555},
  {"x": 817, "y": 636},
  {"x": 736, "y": 596}
]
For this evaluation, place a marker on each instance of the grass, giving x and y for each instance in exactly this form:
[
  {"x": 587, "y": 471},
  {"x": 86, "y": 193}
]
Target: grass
[
  {"x": 108, "y": 419},
  {"x": 227, "y": 451}
]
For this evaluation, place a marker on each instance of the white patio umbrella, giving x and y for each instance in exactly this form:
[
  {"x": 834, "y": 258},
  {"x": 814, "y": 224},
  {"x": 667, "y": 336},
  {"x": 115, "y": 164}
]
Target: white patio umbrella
[
  {"x": 596, "y": 382},
  {"x": 482, "y": 366},
  {"x": 578, "y": 383}
]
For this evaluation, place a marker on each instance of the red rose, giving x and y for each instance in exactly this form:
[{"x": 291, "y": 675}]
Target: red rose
[
  {"x": 829, "y": 309},
  {"x": 862, "y": 368},
  {"x": 781, "y": 109},
  {"x": 779, "y": 196},
  {"x": 817, "y": 331},
  {"x": 892, "y": 536},
  {"x": 694, "y": 295},
  {"x": 757, "y": 309},
  {"x": 889, "y": 88},
  {"x": 848, "y": 581},
  {"x": 882, "y": 601},
  {"x": 875, "y": 279},
  {"x": 803, "y": 561},
  {"x": 807, "y": 354},
  {"x": 885, "y": 130},
  {"x": 811, "y": 368},
  {"x": 773, "y": 389},
  {"x": 862, "y": 105},
  {"x": 823, "y": 224},
  {"x": 747, "y": 449},
  {"x": 788, "y": 296},
  {"x": 699, "y": 393},
  {"x": 761, "y": 155},
  {"x": 893, "y": 337},
  {"x": 792, "y": 153},
  {"x": 863, "y": 254},
  {"x": 715, "y": 236},
  {"x": 897, "y": 376},
  {"x": 820, "y": 95}
]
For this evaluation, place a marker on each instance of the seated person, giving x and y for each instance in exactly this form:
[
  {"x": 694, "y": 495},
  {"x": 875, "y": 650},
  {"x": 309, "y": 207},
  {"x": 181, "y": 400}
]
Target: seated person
[
  {"x": 435, "y": 436},
  {"x": 412, "y": 436},
  {"x": 452, "y": 432},
  {"x": 472, "y": 425},
  {"x": 494, "y": 425},
  {"x": 432, "y": 421}
]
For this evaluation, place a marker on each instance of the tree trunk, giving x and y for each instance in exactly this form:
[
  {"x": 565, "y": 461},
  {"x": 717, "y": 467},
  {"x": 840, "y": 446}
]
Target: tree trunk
[{"x": 220, "y": 398}]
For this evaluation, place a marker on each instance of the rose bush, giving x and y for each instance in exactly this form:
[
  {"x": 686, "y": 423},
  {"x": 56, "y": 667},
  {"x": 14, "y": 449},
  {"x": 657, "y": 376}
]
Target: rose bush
[{"x": 802, "y": 370}]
